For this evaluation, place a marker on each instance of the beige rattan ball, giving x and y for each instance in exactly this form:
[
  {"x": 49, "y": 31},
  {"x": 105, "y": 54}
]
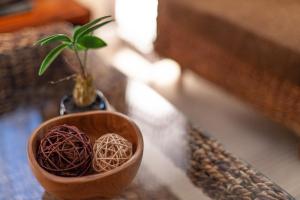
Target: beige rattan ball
[{"x": 110, "y": 151}]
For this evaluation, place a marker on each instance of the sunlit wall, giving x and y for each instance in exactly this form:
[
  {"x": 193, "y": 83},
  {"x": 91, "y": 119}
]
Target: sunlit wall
[{"x": 137, "y": 22}]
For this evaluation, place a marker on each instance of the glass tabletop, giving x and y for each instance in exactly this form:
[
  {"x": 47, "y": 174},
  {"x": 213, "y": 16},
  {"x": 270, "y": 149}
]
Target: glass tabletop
[
  {"x": 179, "y": 161},
  {"x": 159, "y": 177}
]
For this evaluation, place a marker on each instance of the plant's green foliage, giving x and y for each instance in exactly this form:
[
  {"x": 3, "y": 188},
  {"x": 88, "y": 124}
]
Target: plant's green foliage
[
  {"x": 93, "y": 28},
  {"x": 60, "y": 38},
  {"x": 76, "y": 46},
  {"x": 81, "y": 40},
  {"x": 78, "y": 31},
  {"x": 52, "y": 55},
  {"x": 44, "y": 39},
  {"x": 54, "y": 38},
  {"x": 79, "y": 47},
  {"x": 75, "y": 30},
  {"x": 72, "y": 46},
  {"x": 93, "y": 42}
]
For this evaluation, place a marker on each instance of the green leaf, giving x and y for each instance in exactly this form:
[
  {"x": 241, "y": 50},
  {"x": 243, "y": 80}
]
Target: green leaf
[
  {"x": 76, "y": 46},
  {"x": 44, "y": 39},
  {"x": 86, "y": 26},
  {"x": 54, "y": 38},
  {"x": 93, "y": 42},
  {"x": 75, "y": 30},
  {"x": 93, "y": 28},
  {"x": 80, "y": 47},
  {"x": 52, "y": 55}
]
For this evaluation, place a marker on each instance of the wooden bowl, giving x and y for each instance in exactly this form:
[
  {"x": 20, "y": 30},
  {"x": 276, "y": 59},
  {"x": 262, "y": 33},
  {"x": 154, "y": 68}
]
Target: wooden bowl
[{"x": 95, "y": 124}]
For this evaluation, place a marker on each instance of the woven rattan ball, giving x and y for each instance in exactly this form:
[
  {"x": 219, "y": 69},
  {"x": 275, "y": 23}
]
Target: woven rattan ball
[
  {"x": 110, "y": 151},
  {"x": 65, "y": 151}
]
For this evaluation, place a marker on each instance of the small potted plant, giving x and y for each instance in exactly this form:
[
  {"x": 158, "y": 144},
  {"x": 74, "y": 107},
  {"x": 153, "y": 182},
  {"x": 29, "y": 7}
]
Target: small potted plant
[{"x": 85, "y": 96}]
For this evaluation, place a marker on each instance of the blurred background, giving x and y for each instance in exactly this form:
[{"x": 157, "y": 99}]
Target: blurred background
[{"x": 232, "y": 67}]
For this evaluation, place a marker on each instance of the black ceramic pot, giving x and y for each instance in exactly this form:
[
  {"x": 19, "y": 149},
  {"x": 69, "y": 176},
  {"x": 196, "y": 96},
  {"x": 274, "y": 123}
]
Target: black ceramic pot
[{"x": 67, "y": 104}]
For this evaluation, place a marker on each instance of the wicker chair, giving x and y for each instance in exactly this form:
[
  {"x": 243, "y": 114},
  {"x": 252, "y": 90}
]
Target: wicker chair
[{"x": 19, "y": 62}]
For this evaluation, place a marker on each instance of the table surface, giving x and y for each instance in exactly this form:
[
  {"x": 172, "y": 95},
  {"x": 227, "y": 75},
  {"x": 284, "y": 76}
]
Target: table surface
[{"x": 179, "y": 162}]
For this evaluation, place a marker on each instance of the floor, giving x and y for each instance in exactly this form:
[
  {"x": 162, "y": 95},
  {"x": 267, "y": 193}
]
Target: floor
[{"x": 269, "y": 147}]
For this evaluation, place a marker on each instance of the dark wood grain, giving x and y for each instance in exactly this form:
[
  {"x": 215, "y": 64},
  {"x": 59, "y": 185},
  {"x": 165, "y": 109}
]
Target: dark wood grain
[{"x": 44, "y": 12}]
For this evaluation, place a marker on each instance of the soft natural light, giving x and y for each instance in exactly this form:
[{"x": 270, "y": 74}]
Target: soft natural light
[
  {"x": 132, "y": 64},
  {"x": 148, "y": 101},
  {"x": 137, "y": 22},
  {"x": 163, "y": 72}
]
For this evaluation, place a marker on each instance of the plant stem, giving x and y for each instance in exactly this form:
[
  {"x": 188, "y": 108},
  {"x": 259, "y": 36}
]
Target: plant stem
[
  {"x": 63, "y": 79},
  {"x": 85, "y": 57},
  {"x": 80, "y": 63}
]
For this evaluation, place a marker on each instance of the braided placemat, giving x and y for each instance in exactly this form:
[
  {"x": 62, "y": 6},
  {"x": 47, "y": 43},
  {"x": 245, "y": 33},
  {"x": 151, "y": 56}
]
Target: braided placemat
[{"x": 223, "y": 176}]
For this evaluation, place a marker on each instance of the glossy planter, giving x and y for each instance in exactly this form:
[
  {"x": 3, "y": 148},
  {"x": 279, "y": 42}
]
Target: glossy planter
[
  {"x": 103, "y": 185},
  {"x": 68, "y": 106}
]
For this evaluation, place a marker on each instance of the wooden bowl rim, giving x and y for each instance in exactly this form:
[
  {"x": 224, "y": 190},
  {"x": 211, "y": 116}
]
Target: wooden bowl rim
[{"x": 91, "y": 177}]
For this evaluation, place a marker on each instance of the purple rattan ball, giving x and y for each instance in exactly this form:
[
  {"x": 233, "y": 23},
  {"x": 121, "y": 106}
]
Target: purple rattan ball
[{"x": 65, "y": 151}]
